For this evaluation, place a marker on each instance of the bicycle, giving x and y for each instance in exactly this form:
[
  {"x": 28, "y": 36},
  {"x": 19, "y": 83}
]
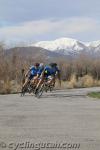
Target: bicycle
[
  {"x": 44, "y": 87},
  {"x": 29, "y": 88}
]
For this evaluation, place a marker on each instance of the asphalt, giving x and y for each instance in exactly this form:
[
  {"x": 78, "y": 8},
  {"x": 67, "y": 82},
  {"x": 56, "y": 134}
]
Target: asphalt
[{"x": 67, "y": 118}]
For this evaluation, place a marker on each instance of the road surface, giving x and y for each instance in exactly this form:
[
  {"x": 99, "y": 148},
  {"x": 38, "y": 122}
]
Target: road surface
[{"x": 63, "y": 117}]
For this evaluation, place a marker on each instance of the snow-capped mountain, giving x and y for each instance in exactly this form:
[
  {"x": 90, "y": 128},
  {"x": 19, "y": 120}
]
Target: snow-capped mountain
[
  {"x": 62, "y": 43},
  {"x": 68, "y": 46},
  {"x": 93, "y": 44}
]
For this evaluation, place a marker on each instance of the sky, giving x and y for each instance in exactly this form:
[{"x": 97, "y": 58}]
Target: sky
[{"x": 29, "y": 21}]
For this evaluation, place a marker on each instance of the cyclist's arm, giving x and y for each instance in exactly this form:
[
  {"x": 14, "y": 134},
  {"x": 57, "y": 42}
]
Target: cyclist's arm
[
  {"x": 42, "y": 74},
  {"x": 39, "y": 73}
]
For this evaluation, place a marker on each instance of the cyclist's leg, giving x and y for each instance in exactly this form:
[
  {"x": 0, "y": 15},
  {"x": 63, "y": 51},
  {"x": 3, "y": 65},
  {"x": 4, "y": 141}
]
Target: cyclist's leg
[
  {"x": 40, "y": 81},
  {"x": 51, "y": 80},
  {"x": 26, "y": 82},
  {"x": 34, "y": 81},
  {"x": 28, "y": 79}
]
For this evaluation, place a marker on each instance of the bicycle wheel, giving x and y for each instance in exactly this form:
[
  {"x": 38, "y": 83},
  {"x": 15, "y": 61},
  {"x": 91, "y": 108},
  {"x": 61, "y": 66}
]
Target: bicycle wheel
[
  {"x": 39, "y": 92},
  {"x": 23, "y": 91},
  {"x": 51, "y": 87}
]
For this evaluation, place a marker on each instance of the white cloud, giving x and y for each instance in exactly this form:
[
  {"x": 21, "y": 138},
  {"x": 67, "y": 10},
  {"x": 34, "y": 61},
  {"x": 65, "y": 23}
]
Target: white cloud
[
  {"x": 79, "y": 25},
  {"x": 62, "y": 27}
]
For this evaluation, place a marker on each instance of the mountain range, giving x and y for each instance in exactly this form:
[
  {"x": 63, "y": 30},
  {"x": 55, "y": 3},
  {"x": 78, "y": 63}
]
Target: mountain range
[
  {"x": 63, "y": 48},
  {"x": 68, "y": 46}
]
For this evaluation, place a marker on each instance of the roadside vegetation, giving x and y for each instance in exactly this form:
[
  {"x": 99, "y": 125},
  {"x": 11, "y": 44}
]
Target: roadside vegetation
[
  {"x": 78, "y": 72},
  {"x": 94, "y": 94}
]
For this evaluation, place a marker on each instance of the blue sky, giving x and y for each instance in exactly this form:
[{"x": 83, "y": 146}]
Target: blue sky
[{"x": 36, "y": 20}]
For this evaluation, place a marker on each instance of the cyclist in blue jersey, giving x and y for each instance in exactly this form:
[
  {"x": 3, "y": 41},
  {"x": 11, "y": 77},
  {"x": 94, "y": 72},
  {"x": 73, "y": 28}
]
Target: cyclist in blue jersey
[
  {"x": 39, "y": 72},
  {"x": 49, "y": 72},
  {"x": 32, "y": 72}
]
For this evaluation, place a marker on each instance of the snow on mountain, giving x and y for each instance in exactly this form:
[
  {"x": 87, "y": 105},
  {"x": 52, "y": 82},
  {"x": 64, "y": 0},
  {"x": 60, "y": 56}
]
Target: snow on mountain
[
  {"x": 94, "y": 47},
  {"x": 62, "y": 43},
  {"x": 93, "y": 44},
  {"x": 68, "y": 46}
]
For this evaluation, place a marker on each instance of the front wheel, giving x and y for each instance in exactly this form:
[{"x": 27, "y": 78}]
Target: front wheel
[
  {"x": 39, "y": 91},
  {"x": 23, "y": 91}
]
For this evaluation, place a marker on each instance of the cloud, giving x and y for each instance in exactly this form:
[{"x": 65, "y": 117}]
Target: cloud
[
  {"x": 60, "y": 27},
  {"x": 76, "y": 25},
  {"x": 26, "y": 10}
]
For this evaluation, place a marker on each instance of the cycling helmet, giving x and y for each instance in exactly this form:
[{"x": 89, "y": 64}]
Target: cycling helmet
[
  {"x": 37, "y": 64},
  {"x": 53, "y": 64},
  {"x": 41, "y": 65}
]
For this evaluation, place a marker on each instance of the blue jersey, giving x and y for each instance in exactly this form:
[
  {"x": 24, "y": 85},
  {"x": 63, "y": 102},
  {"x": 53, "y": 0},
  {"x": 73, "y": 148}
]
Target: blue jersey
[
  {"x": 50, "y": 71},
  {"x": 33, "y": 70},
  {"x": 40, "y": 70}
]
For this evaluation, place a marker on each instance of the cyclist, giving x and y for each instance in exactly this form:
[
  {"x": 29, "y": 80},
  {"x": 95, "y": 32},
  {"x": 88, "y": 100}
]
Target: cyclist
[
  {"x": 55, "y": 72},
  {"x": 50, "y": 72},
  {"x": 39, "y": 72},
  {"x": 31, "y": 73}
]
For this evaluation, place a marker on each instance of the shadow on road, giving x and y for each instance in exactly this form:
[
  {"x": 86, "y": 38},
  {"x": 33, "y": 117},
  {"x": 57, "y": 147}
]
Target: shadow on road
[
  {"x": 51, "y": 95},
  {"x": 57, "y": 95}
]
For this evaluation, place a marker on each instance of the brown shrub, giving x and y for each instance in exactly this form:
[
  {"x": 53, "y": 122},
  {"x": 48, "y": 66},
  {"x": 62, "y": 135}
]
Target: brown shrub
[{"x": 88, "y": 81}]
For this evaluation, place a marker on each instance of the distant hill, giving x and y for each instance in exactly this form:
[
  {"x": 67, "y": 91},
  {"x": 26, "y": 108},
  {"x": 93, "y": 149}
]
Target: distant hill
[
  {"x": 63, "y": 49},
  {"x": 35, "y": 52}
]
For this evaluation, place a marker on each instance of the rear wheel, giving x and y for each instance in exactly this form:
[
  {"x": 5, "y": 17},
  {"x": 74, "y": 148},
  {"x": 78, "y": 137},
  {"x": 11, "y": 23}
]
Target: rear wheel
[{"x": 52, "y": 87}]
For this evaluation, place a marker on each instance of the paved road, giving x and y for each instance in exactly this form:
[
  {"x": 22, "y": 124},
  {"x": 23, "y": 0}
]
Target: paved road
[{"x": 66, "y": 116}]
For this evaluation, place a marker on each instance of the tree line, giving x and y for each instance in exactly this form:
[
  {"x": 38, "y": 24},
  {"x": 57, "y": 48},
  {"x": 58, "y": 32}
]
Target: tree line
[{"x": 12, "y": 65}]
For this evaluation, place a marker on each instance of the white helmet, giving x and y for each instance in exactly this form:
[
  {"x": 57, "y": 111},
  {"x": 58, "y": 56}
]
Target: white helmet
[{"x": 41, "y": 65}]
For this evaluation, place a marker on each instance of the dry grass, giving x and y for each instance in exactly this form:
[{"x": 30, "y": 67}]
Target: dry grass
[
  {"x": 9, "y": 87},
  {"x": 73, "y": 82},
  {"x": 86, "y": 81}
]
